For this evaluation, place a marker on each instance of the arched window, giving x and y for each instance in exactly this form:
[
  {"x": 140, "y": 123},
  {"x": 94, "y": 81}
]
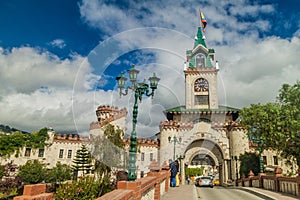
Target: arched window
[{"x": 200, "y": 60}]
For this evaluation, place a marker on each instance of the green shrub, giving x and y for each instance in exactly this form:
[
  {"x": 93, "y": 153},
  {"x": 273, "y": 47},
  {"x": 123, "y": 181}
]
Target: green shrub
[
  {"x": 83, "y": 188},
  {"x": 194, "y": 171}
]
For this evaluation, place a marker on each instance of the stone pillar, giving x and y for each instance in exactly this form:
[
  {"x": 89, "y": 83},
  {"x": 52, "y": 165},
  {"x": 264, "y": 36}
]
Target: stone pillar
[
  {"x": 182, "y": 172},
  {"x": 35, "y": 192},
  {"x": 250, "y": 176},
  {"x": 277, "y": 173},
  {"x": 225, "y": 172}
]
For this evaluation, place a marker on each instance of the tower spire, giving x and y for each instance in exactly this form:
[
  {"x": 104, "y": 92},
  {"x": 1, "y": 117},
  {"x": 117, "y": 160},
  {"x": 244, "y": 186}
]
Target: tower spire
[{"x": 200, "y": 38}]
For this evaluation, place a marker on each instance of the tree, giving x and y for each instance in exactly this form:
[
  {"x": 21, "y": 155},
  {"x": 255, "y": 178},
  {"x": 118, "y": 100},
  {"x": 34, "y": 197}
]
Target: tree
[
  {"x": 58, "y": 174},
  {"x": 82, "y": 161},
  {"x": 277, "y": 124},
  {"x": 32, "y": 172},
  {"x": 289, "y": 101},
  {"x": 249, "y": 161},
  {"x": 12, "y": 143},
  {"x": 2, "y": 172}
]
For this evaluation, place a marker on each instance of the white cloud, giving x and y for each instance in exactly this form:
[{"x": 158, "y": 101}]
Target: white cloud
[
  {"x": 39, "y": 89},
  {"x": 59, "y": 43},
  {"x": 252, "y": 68}
]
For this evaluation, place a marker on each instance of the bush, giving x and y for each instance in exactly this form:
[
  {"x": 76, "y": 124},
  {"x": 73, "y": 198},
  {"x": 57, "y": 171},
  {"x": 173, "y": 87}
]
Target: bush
[
  {"x": 83, "y": 188},
  {"x": 194, "y": 171},
  {"x": 10, "y": 187}
]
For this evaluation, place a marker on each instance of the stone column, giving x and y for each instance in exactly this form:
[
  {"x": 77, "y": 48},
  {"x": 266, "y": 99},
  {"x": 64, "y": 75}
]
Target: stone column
[
  {"x": 182, "y": 172},
  {"x": 225, "y": 172}
]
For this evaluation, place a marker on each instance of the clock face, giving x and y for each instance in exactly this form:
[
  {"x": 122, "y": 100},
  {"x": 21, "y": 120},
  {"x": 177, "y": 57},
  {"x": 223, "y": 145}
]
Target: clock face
[{"x": 201, "y": 85}]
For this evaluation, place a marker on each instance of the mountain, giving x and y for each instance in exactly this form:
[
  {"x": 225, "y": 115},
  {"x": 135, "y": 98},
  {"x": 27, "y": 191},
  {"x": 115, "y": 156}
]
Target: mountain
[{"x": 8, "y": 129}]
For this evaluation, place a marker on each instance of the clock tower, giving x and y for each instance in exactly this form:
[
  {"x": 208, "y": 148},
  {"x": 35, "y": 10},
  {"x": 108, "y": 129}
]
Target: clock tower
[{"x": 201, "y": 72}]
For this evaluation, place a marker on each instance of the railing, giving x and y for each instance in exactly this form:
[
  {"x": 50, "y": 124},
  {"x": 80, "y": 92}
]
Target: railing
[
  {"x": 151, "y": 187},
  {"x": 276, "y": 183}
]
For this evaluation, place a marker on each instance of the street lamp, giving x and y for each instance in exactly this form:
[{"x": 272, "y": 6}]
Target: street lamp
[
  {"x": 236, "y": 167},
  {"x": 175, "y": 140},
  {"x": 180, "y": 158},
  {"x": 140, "y": 89},
  {"x": 259, "y": 142}
]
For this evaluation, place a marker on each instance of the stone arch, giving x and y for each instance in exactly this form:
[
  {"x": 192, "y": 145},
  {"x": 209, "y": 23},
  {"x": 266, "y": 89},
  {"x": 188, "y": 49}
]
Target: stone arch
[
  {"x": 195, "y": 151},
  {"x": 206, "y": 146},
  {"x": 212, "y": 149}
]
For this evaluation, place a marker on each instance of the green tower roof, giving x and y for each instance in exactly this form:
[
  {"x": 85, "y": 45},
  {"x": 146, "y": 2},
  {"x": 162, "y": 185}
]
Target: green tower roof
[{"x": 199, "y": 39}]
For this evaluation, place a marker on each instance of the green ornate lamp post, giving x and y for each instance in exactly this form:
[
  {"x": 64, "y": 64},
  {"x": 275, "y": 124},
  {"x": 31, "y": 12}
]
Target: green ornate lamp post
[
  {"x": 174, "y": 140},
  {"x": 139, "y": 89},
  {"x": 259, "y": 142}
]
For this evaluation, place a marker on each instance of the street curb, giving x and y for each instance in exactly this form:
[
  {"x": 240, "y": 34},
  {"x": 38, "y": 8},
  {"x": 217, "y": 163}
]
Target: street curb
[
  {"x": 195, "y": 193},
  {"x": 259, "y": 194}
]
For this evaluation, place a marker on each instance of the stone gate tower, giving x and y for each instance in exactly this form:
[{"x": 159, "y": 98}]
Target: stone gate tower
[{"x": 201, "y": 131}]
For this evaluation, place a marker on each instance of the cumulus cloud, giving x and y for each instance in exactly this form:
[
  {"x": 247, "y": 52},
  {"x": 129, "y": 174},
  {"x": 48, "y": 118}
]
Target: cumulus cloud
[
  {"x": 252, "y": 67},
  {"x": 40, "y": 89},
  {"x": 37, "y": 88}
]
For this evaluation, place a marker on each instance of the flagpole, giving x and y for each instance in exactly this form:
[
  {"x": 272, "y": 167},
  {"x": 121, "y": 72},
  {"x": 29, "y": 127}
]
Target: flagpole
[{"x": 200, "y": 25}]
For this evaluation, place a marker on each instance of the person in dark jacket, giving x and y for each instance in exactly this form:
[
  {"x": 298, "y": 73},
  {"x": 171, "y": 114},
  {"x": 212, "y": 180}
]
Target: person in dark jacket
[{"x": 174, "y": 171}]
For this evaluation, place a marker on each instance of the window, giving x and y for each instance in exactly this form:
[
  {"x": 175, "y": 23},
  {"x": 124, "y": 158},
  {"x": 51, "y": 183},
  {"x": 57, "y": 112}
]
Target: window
[
  {"x": 200, "y": 60},
  {"x": 69, "y": 153},
  {"x": 61, "y": 153},
  {"x": 142, "y": 174},
  {"x": 275, "y": 160},
  {"x": 151, "y": 156},
  {"x": 41, "y": 153},
  {"x": 265, "y": 160},
  {"x": 27, "y": 152},
  {"x": 201, "y": 99},
  {"x": 142, "y": 156}
]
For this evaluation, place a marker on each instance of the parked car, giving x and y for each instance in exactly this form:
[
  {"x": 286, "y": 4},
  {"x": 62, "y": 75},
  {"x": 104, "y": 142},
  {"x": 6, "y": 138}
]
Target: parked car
[
  {"x": 204, "y": 181},
  {"x": 216, "y": 182}
]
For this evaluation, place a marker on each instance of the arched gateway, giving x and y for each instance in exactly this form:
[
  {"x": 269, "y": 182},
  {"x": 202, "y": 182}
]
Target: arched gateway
[{"x": 201, "y": 130}]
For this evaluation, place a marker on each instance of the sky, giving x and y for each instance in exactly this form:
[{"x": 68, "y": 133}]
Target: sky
[{"x": 59, "y": 59}]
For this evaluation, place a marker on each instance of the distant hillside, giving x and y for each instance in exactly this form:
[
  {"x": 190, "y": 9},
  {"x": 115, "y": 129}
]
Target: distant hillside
[{"x": 8, "y": 129}]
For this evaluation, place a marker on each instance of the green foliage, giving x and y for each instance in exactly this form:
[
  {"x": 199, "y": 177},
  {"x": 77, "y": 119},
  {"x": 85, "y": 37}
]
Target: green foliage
[
  {"x": 10, "y": 187},
  {"x": 249, "y": 161},
  {"x": 14, "y": 142},
  {"x": 32, "y": 172},
  {"x": 194, "y": 171},
  {"x": 82, "y": 161},
  {"x": 278, "y": 124},
  {"x": 84, "y": 188},
  {"x": 114, "y": 135},
  {"x": 2, "y": 172},
  {"x": 58, "y": 174},
  {"x": 108, "y": 148}
]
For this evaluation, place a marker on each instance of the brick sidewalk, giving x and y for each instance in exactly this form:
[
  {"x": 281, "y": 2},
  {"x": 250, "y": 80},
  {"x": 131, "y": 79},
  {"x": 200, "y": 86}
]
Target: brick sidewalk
[{"x": 183, "y": 192}]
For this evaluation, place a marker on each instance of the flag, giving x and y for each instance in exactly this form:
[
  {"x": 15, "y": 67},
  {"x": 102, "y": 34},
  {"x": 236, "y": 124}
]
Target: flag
[{"x": 203, "y": 20}]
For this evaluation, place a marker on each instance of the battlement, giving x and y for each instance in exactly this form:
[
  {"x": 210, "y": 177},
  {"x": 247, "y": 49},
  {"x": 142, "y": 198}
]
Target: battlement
[
  {"x": 68, "y": 138},
  {"x": 146, "y": 142},
  {"x": 107, "y": 114},
  {"x": 169, "y": 125}
]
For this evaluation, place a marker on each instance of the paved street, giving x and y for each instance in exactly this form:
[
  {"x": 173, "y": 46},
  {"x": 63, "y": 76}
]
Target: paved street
[
  {"x": 224, "y": 194},
  {"x": 190, "y": 192}
]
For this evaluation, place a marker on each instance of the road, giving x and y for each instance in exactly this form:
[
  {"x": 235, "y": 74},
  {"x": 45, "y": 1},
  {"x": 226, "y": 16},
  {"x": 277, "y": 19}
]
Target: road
[{"x": 206, "y": 193}]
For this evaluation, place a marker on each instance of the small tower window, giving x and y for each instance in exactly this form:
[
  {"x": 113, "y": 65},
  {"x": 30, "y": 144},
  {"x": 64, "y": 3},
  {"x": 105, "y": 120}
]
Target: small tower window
[{"x": 200, "y": 60}]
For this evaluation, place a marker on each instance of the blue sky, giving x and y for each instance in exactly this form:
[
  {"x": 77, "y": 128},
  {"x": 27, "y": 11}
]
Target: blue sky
[{"x": 59, "y": 59}]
